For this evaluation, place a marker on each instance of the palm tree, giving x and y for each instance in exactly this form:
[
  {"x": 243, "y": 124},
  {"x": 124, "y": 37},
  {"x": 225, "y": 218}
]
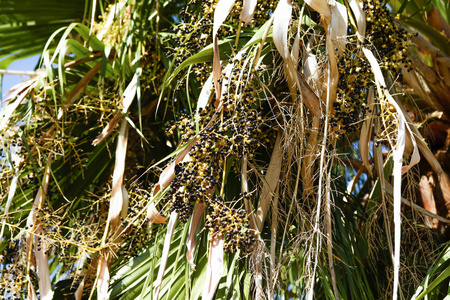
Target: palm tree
[{"x": 224, "y": 149}]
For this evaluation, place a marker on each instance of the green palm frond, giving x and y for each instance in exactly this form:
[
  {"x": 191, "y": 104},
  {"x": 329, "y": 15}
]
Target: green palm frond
[{"x": 26, "y": 26}]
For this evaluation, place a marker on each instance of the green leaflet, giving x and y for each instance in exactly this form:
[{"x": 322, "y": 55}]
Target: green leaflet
[{"x": 441, "y": 269}]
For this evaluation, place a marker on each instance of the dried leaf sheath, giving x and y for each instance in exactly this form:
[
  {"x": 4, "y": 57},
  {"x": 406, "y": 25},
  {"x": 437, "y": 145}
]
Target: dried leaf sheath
[
  {"x": 103, "y": 278},
  {"x": 165, "y": 254},
  {"x": 339, "y": 26},
  {"x": 153, "y": 215},
  {"x": 118, "y": 175},
  {"x": 127, "y": 98},
  {"x": 191, "y": 242},
  {"x": 360, "y": 16},
  {"x": 248, "y": 11},
  {"x": 214, "y": 268},
  {"x": 403, "y": 130},
  {"x": 11, "y": 192},
  {"x": 321, "y": 6},
  {"x": 366, "y": 134},
  {"x": 280, "y": 35},
  {"x": 270, "y": 183},
  {"x": 282, "y": 18},
  {"x": 34, "y": 227}
]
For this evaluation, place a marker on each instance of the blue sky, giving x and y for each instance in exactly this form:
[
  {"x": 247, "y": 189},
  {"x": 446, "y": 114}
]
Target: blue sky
[{"x": 27, "y": 64}]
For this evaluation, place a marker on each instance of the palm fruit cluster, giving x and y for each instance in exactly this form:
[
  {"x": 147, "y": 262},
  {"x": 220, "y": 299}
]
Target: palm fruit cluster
[
  {"x": 390, "y": 42},
  {"x": 13, "y": 284},
  {"x": 232, "y": 224},
  {"x": 237, "y": 130},
  {"x": 132, "y": 228},
  {"x": 194, "y": 31},
  {"x": 354, "y": 80},
  {"x": 113, "y": 33}
]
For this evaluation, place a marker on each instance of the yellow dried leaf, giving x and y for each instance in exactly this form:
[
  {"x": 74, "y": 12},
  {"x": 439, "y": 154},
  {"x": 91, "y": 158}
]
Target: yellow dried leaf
[
  {"x": 108, "y": 129},
  {"x": 17, "y": 89},
  {"x": 154, "y": 216},
  {"x": 366, "y": 134},
  {"x": 83, "y": 83},
  {"x": 403, "y": 130},
  {"x": 129, "y": 93},
  {"x": 116, "y": 202},
  {"x": 281, "y": 19},
  {"x": 126, "y": 200}
]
